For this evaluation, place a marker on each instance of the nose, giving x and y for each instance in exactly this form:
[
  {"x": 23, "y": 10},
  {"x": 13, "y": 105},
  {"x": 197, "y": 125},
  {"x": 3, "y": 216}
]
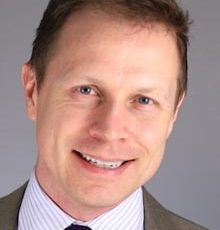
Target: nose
[{"x": 110, "y": 123}]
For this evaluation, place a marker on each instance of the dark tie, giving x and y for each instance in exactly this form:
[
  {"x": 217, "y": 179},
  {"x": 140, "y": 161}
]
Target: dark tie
[{"x": 77, "y": 227}]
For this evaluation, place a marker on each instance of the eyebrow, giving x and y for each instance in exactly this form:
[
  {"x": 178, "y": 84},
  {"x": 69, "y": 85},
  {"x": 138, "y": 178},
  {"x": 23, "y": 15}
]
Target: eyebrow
[
  {"x": 92, "y": 80},
  {"x": 146, "y": 90},
  {"x": 87, "y": 78}
]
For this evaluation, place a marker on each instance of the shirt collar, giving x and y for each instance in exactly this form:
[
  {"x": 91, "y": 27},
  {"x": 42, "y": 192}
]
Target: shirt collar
[{"x": 38, "y": 211}]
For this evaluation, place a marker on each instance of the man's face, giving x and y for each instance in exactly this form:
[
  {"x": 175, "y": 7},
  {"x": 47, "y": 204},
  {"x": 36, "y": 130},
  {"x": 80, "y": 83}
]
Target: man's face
[{"x": 104, "y": 111}]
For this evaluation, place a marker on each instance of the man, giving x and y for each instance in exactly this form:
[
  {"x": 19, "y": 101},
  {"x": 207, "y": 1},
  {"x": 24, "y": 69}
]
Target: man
[{"x": 104, "y": 85}]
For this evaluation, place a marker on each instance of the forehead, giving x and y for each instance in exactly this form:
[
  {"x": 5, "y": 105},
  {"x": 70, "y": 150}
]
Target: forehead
[
  {"x": 95, "y": 32},
  {"x": 115, "y": 51}
]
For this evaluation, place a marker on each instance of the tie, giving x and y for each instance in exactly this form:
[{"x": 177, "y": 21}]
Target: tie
[{"x": 77, "y": 227}]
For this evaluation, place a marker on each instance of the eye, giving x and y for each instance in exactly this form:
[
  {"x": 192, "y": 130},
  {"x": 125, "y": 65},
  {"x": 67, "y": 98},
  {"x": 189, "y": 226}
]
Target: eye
[
  {"x": 144, "y": 100},
  {"x": 87, "y": 90}
]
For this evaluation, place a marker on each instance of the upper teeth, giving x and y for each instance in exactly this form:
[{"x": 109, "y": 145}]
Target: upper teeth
[{"x": 102, "y": 164}]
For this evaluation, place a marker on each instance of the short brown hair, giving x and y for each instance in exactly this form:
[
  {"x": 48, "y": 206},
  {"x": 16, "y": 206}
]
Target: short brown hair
[{"x": 167, "y": 12}]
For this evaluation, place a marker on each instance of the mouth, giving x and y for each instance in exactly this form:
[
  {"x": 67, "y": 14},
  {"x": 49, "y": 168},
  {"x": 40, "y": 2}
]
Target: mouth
[{"x": 100, "y": 163}]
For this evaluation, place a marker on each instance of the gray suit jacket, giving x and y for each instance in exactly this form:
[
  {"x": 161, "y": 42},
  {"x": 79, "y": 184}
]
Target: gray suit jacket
[{"x": 156, "y": 217}]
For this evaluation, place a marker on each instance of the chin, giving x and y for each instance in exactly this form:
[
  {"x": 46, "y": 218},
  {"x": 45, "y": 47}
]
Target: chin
[{"x": 100, "y": 198}]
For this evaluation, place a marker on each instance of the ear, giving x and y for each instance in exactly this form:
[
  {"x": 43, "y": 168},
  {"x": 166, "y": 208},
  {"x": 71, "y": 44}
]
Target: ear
[
  {"x": 177, "y": 108},
  {"x": 28, "y": 77}
]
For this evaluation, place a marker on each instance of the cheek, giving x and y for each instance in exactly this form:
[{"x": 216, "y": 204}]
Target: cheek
[
  {"x": 151, "y": 158},
  {"x": 56, "y": 135},
  {"x": 152, "y": 136},
  {"x": 152, "y": 131}
]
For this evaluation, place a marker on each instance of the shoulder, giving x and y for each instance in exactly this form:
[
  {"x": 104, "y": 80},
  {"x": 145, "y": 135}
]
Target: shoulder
[
  {"x": 161, "y": 218},
  {"x": 9, "y": 207}
]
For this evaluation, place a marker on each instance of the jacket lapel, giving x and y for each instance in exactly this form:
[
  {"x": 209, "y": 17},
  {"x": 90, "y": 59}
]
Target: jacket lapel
[
  {"x": 149, "y": 219},
  {"x": 9, "y": 208}
]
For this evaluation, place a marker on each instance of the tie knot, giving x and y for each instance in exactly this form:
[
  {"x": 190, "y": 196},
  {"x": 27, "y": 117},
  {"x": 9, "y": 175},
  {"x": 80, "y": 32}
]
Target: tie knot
[{"x": 77, "y": 227}]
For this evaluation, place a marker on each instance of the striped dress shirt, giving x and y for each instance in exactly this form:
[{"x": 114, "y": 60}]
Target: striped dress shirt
[{"x": 39, "y": 212}]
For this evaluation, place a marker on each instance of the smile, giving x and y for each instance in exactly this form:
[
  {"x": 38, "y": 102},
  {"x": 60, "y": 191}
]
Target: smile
[{"x": 100, "y": 163}]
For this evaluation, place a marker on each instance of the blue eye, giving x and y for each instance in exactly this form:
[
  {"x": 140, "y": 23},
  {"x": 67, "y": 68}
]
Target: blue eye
[
  {"x": 144, "y": 100},
  {"x": 85, "y": 90}
]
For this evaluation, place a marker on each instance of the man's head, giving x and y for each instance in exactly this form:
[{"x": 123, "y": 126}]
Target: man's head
[
  {"x": 103, "y": 92},
  {"x": 141, "y": 12}
]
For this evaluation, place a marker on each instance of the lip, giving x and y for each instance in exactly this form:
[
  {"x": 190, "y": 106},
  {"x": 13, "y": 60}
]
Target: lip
[{"x": 97, "y": 170}]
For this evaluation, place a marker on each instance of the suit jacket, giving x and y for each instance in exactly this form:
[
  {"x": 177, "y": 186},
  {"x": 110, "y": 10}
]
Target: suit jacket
[{"x": 156, "y": 217}]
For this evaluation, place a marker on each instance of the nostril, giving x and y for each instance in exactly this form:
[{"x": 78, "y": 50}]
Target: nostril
[{"x": 108, "y": 134}]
